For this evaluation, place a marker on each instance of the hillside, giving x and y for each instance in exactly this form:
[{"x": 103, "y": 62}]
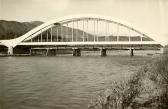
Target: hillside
[{"x": 13, "y": 29}]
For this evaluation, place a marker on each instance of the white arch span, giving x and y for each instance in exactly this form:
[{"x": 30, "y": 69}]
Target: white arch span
[{"x": 14, "y": 42}]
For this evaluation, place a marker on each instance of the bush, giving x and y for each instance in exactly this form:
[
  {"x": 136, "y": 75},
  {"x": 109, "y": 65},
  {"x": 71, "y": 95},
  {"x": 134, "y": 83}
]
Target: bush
[{"x": 147, "y": 89}]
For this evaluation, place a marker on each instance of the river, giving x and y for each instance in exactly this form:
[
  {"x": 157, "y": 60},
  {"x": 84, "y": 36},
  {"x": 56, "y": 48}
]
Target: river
[{"x": 60, "y": 82}]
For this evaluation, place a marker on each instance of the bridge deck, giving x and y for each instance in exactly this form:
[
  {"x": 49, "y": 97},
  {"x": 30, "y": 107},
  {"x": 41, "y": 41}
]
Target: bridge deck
[
  {"x": 93, "y": 43},
  {"x": 1, "y": 43}
]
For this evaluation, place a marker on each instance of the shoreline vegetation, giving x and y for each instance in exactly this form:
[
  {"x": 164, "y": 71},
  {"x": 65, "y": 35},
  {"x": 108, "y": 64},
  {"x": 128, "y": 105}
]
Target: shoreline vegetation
[{"x": 145, "y": 89}]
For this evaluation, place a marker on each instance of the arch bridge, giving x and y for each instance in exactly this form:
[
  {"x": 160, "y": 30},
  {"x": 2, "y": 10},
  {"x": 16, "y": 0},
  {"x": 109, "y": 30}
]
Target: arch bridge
[{"x": 82, "y": 31}]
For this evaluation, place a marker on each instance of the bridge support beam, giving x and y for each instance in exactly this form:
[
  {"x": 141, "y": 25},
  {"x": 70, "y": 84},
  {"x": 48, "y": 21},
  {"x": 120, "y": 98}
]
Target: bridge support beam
[
  {"x": 103, "y": 51},
  {"x": 76, "y": 52},
  {"x": 10, "y": 50},
  {"x": 131, "y": 51}
]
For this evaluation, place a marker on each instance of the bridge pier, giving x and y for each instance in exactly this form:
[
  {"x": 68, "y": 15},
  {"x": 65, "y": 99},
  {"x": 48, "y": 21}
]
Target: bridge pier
[
  {"x": 30, "y": 51},
  {"x": 76, "y": 52},
  {"x": 131, "y": 51},
  {"x": 47, "y": 51},
  {"x": 103, "y": 51},
  {"x": 10, "y": 50}
]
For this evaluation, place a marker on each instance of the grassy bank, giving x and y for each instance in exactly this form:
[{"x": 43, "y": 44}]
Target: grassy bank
[{"x": 146, "y": 89}]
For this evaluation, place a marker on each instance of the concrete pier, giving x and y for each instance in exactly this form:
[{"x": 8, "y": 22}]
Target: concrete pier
[
  {"x": 103, "y": 51},
  {"x": 131, "y": 51},
  {"x": 47, "y": 52},
  {"x": 76, "y": 52}
]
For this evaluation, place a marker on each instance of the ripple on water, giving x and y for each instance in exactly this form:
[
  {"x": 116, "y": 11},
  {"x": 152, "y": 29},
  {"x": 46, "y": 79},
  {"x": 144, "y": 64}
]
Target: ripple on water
[{"x": 62, "y": 82}]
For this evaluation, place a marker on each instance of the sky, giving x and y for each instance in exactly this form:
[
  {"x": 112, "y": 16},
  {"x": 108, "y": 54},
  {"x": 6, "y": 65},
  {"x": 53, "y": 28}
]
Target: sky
[{"x": 150, "y": 16}]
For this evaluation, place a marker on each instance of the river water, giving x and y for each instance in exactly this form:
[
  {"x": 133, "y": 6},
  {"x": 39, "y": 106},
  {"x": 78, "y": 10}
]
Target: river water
[{"x": 61, "y": 82}]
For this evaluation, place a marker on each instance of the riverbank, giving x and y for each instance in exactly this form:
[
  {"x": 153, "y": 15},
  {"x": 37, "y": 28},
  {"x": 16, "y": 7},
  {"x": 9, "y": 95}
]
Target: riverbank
[
  {"x": 7, "y": 55},
  {"x": 145, "y": 89}
]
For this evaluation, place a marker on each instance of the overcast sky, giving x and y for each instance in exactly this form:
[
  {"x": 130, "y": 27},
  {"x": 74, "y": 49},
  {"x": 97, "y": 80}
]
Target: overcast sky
[{"x": 151, "y": 16}]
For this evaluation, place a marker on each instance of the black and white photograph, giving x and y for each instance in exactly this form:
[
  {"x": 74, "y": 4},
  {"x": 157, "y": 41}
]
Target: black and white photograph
[{"x": 83, "y": 54}]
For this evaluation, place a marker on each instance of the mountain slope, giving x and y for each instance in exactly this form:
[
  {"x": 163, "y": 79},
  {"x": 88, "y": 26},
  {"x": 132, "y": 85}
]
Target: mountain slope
[{"x": 13, "y": 29}]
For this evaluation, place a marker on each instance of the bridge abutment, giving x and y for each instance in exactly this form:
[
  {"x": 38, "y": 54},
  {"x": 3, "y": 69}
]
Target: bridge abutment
[
  {"x": 103, "y": 52},
  {"x": 10, "y": 50},
  {"x": 76, "y": 52}
]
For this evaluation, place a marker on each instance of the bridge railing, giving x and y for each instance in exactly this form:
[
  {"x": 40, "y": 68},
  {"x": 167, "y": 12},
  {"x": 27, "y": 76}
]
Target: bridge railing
[{"x": 86, "y": 29}]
